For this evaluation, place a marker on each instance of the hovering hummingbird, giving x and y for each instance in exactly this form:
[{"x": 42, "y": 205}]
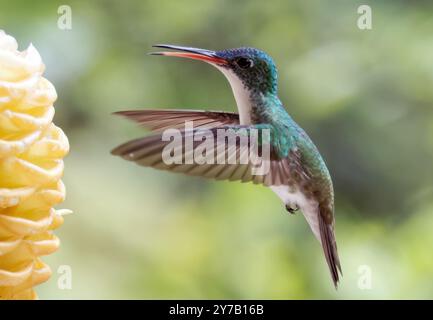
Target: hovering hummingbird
[{"x": 298, "y": 174}]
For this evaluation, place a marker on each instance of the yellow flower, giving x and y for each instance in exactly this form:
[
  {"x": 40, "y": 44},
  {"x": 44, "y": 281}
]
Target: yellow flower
[{"x": 31, "y": 165}]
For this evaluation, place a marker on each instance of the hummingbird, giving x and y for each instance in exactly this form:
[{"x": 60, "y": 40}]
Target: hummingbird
[{"x": 298, "y": 174}]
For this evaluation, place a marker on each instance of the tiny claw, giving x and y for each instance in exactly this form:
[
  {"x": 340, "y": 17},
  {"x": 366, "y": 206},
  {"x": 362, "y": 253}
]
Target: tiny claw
[{"x": 291, "y": 209}]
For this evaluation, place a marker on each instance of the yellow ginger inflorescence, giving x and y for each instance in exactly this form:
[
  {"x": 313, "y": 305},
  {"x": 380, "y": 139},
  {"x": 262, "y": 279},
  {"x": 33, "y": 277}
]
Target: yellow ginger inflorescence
[{"x": 31, "y": 165}]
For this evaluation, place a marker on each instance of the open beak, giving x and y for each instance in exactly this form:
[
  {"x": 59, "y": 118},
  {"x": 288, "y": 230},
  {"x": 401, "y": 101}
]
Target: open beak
[{"x": 192, "y": 53}]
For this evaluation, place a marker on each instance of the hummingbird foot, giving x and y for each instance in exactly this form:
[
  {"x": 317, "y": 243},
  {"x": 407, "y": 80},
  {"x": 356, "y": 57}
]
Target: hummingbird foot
[{"x": 292, "y": 208}]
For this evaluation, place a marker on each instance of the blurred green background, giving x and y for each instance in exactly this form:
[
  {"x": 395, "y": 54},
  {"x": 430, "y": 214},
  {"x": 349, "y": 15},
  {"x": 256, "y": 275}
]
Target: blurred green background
[{"x": 364, "y": 96}]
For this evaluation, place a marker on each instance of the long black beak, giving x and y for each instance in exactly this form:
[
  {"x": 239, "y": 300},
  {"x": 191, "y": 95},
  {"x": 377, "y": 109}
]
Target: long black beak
[{"x": 192, "y": 53}]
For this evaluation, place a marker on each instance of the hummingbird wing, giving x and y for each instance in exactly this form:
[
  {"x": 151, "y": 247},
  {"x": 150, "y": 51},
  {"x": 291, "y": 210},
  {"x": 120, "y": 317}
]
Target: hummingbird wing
[
  {"x": 162, "y": 119},
  {"x": 227, "y": 165},
  {"x": 147, "y": 151}
]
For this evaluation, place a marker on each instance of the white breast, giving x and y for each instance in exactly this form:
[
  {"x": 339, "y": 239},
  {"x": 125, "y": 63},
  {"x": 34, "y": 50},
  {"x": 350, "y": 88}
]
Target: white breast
[{"x": 241, "y": 94}]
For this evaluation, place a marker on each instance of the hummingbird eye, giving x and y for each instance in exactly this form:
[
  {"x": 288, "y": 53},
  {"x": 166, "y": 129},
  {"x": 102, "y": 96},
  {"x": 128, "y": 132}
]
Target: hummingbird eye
[{"x": 244, "y": 63}]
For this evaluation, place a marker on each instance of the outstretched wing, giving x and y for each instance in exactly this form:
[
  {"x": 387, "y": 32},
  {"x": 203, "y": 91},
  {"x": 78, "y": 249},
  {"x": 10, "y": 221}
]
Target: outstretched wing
[
  {"x": 162, "y": 119},
  {"x": 228, "y": 161}
]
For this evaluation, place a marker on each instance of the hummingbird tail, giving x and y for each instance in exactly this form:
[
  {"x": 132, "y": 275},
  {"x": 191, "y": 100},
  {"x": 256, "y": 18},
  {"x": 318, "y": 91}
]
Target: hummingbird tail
[{"x": 330, "y": 249}]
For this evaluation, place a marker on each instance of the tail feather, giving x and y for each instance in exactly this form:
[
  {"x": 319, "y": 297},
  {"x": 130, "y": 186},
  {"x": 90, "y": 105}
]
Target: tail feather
[{"x": 330, "y": 249}]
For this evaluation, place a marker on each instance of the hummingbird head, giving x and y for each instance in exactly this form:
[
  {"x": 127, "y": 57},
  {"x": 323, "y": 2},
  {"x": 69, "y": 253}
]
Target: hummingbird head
[{"x": 247, "y": 69}]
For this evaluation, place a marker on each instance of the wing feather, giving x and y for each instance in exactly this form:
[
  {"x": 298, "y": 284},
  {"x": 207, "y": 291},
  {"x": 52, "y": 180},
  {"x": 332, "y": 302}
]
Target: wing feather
[
  {"x": 227, "y": 165},
  {"x": 160, "y": 120}
]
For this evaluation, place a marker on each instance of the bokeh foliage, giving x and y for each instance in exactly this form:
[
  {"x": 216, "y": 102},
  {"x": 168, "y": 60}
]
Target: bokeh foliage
[{"x": 365, "y": 97}]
